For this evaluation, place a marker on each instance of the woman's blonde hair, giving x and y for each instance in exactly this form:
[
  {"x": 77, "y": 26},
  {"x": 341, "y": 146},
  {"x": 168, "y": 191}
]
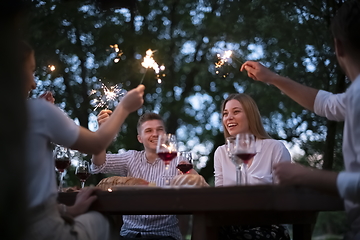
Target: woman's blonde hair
[{"x": 252, "y": 113}]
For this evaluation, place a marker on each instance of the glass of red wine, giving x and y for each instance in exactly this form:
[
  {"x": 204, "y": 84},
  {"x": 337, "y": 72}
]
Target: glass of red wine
[
  {"x": 62, "y": 159},
  {"x": 244, "y": 150},
  {"x": 230, "y": 147},
  {"x": 166, "y": 149},
  {"x": 185, "y": 163},
  {"x": 82, "y": 171}
]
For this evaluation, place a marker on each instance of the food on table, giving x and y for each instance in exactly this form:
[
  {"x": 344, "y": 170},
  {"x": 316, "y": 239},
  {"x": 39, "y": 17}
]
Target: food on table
[
  {"x": 109, "y": 182},
  {"x": 189, "y": 180}
]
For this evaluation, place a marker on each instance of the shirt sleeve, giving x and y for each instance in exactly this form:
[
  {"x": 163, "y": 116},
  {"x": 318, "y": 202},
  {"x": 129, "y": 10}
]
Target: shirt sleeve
[
  {"x": 331, "y": 106},
  {"x": 218, "y": 172},
  {"x": 348, "y": 184},
  {"x": 352, "y": 127},
  {"x": 59, "y": 127},
  {"x": 114, "y": 164},
  {"x": 279, "y": 154}
]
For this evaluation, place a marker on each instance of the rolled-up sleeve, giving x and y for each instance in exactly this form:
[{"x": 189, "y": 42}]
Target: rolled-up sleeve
[
  {"x": 348, "y": 184},
  {"x": 331, "y": 106},
  {"x": 114, "y": 164}
]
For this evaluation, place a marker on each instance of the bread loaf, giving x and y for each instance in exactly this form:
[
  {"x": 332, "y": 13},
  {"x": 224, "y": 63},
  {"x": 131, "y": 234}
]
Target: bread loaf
[
  {"x": 109, "y": 182},
  {"x": 189, "y": 180}
]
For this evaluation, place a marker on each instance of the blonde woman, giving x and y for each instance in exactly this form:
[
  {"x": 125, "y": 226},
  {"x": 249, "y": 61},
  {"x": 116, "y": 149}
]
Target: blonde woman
[{"x": 240, "y": 114}]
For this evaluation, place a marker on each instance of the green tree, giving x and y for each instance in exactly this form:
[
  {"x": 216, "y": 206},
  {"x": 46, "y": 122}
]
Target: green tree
[{"x": 291, "y": 38}]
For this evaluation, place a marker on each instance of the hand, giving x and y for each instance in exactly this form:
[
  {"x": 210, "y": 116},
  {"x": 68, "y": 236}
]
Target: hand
[
  {"x": 133, "y": 100},
  {"x": 48, "y": 96},
  {"x": 290, "y": 173},
  {"x": 84, "y": 199},
  {"x": 258, "y": 72},
  {"x": 103, "y": 116}
]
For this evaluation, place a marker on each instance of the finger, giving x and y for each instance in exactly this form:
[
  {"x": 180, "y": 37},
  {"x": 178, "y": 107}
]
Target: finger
[
  {"x": 251, "y": 75},
  {"x": 101, "y": 122},
  {"x": 141, "y": 87},
  {"x": 242, "y": 68},
  {"x": 104, "y": 112}
]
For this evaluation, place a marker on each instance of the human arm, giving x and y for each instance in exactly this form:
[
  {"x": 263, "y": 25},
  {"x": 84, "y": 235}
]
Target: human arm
[
  {"x": 99, "y": 159},
  {"x": 298, "y": 175},
  {"x": 303, "y": 95},
  {"x": 96, "y": 142}
]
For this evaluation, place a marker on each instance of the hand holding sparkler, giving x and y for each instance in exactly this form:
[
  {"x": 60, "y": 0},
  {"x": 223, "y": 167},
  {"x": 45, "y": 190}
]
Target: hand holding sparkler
[
  {"x": 133, "y": 100},
  {"x": 103, "y": 116},
  {"x": 258, "y": 72},
  {"x": 48, "y": 96}
]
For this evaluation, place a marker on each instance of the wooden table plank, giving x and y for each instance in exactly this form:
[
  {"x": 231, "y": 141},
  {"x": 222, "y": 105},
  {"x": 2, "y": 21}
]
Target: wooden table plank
[{"x": 213, "y": 207}]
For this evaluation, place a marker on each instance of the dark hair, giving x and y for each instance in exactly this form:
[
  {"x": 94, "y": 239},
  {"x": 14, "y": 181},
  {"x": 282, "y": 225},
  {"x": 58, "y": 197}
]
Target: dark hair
[
  {"x": 147, "y": 117},
  {"x": 252, "y": 113},
  {"x": 24, "y": 49},
  {"x": 345, "y": 26}
]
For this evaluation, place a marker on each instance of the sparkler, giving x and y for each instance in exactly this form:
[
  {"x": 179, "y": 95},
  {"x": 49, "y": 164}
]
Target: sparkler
[
  {"x": 149, "y": 62},
  {"x": 51, "y": 68},
  {"x": 108, "y": 97},
  {"x": 118, "y": 51},
  {"x": 222, "y": 60}
]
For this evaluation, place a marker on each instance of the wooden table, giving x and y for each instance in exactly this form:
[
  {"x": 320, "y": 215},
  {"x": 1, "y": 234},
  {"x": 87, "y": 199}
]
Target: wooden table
[{"x": 212, "y": 207}]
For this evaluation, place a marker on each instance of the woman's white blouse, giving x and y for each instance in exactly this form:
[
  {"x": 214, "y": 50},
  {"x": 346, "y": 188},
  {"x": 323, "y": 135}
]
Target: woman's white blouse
[{"x": 269, "y": 153}]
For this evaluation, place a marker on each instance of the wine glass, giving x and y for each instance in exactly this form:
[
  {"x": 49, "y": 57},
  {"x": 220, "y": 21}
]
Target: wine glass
[
  {"x": 185, "y": 163},
  {"x": 166, "y": 149},
  {"x": 244, "y": 150},
  {"x": 230, "y": 146},
  {"x": 82, "y": 171},
  {"x": 62, "y": 162}
]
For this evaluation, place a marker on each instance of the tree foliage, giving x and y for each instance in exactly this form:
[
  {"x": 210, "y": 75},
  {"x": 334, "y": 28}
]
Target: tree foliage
[{"x": 290, "y": 37}]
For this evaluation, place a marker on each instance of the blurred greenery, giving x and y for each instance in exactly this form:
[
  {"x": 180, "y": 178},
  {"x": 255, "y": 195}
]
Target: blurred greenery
[{"x": 290, "y": 37}]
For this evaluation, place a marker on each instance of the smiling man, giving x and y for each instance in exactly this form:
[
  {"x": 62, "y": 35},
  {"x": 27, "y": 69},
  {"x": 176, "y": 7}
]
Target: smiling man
[{"x": 146, "y": 165}]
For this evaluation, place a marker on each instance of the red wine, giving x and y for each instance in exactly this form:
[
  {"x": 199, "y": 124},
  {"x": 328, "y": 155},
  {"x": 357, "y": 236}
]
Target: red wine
[
  {"x": 245, "y": 156},
  {"x": 83, "y": 176},
  {"x": 62, "y": 163},
  {"x": 184, "y": 167},
  {"x": 167, "y": 156}
]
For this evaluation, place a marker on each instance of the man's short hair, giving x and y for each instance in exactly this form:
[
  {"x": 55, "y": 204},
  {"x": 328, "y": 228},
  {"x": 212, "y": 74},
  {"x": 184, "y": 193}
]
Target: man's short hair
[
  {"x": 345, "y": 27},
  {"x": 147, "y": 117}
]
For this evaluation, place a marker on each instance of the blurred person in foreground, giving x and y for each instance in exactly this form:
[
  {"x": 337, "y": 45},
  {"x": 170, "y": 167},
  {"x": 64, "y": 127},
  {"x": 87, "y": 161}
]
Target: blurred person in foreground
[
  {"x": 338, "y": 107},
  {"x": 47, "y": 124}
]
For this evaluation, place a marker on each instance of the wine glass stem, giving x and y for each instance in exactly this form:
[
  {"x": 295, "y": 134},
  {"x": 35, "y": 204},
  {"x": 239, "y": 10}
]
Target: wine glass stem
[
  {"x": 167, "y": 181},
  {"x": 245, "y": 174},
  {"x": 238, "y": 175},
  {"x": 82, "y": 184},
  {"x": 61, "y": 179}
]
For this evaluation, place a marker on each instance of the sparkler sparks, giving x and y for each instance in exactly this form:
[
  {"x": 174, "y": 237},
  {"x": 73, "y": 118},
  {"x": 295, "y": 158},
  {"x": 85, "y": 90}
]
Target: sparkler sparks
[
  {"x": 118, "y": 51},
  {"x": 108, "y": 97},
  {"x": 149, "y": 62},
  {"x": 51, "y": 68},
  {"x": 222, "y": 60}
]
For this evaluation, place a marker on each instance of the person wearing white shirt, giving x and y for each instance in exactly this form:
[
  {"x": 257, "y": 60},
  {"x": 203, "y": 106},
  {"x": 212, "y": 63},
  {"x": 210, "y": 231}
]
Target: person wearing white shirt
[
  {"x": 337, "y": 107},
  {"x": 240, "y": 114},
  {"x": 47, "y": 124}
]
